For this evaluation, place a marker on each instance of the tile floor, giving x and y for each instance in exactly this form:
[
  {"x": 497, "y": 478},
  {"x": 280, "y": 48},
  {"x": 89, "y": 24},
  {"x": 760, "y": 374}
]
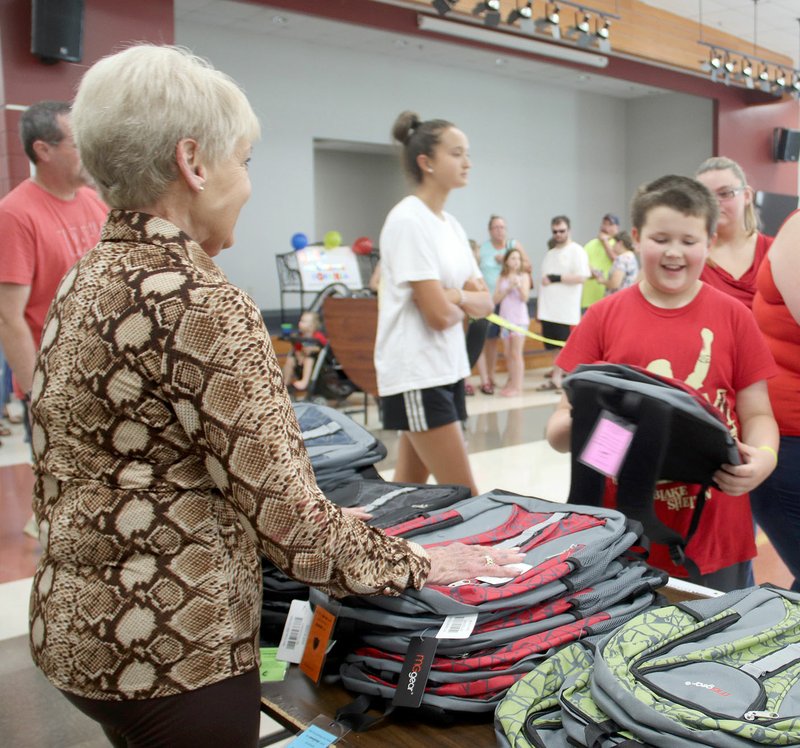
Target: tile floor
[{"x": 505, "y": 441}]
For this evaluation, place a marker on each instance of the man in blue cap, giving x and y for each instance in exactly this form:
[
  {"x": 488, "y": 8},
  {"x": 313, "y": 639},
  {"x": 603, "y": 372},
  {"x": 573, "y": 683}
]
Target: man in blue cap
[{"x": 601, "y": 257}]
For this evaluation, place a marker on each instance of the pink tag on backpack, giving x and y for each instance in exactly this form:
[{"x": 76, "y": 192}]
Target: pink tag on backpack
[{"x": 608, "y": 444}]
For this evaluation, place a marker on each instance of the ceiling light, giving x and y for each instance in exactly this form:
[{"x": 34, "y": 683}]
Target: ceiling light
[
  {"x": 730, "y": 65},
  {"x": 548, "y": 23},
  {"x": 604, "y": 31},
  {"x": 747, "y": 68},
  {"x": 517, "y": 42},
  {"x": 490, "y": 10},
  {"x": 715, "y": 60},
  {"x": 443, "y": 6},
  {"x": 525, "y": 13},
  {"x": 780, "y": 81},
  {"x": 583, "y": 26}
]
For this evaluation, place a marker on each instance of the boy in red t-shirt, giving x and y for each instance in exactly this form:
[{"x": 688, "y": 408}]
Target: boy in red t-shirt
[{"x": 673, "y": 324}]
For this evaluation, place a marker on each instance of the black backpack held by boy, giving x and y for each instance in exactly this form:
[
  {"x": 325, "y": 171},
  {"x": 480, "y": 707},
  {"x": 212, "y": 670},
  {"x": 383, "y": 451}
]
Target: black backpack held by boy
[{"x": 674, "y": 434}]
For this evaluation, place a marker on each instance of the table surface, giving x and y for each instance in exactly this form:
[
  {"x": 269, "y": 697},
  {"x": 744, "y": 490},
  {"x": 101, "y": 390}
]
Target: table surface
[{"x": 296, "y": 702}]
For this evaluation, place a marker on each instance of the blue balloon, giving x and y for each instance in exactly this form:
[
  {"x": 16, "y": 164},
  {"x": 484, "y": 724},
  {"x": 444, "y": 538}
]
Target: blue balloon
[{"x": 299, "y": 241}]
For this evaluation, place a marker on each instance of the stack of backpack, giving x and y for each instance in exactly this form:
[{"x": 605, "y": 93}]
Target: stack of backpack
[
  {"x": 723, "y": 671},
  {"x": 343, "y": 454},
  {"x": 582, "y": 580}
]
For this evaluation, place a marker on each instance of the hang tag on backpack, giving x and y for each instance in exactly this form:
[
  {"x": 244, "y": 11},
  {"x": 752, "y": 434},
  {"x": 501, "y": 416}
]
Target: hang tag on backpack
[
  {"x": 608, "y": 444},
  {"x": 415, "y": 671},
  {"x": 319, "y": 637},
  {"x": 295, "y": 632}
]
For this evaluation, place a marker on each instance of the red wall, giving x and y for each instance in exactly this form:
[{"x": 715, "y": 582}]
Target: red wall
[{"x": 24, "y": 79}]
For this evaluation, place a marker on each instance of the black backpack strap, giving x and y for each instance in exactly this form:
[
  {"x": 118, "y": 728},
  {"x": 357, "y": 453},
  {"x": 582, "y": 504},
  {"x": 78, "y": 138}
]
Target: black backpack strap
[
  {"x": 354, "y": 715},
  {"x": 587, "y": 485}
]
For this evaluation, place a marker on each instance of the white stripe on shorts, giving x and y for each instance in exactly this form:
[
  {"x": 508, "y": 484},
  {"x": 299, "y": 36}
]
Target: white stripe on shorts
[{"x": 415, "y": 411}]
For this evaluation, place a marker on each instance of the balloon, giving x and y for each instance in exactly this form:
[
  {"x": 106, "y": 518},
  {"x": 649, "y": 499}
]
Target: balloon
[
  {"x": 362, "y": 245},
  {"x": 332, "y": 240},
  {"x": 299, "y": 241}
]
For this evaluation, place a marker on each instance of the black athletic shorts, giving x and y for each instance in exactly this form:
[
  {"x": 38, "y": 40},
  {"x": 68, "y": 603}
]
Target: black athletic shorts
[
  {"x": 554, "y": 331},
  {"x": 423, "y": 410}
]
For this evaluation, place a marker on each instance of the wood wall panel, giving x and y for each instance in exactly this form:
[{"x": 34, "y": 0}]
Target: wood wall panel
[{"x": 643, "y": 31}]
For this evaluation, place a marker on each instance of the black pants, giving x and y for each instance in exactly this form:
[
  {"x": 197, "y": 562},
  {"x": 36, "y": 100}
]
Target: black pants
[
  {"x": 224, "y": 713},
  {"x": 555, "y": 331}
]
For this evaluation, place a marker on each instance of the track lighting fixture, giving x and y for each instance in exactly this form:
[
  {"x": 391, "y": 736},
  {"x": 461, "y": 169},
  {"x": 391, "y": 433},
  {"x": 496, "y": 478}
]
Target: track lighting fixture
[
  {"x": 722, "y": 62},
  {"x": 443, "y": 6},
  {"x": 525, "y": 13},
  {"x": 490, "y": 9},
  {"x": 548, "y": 23}
]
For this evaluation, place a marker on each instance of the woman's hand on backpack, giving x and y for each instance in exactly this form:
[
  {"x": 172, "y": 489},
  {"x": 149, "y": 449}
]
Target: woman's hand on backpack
[{"x": 457, "y": 561}]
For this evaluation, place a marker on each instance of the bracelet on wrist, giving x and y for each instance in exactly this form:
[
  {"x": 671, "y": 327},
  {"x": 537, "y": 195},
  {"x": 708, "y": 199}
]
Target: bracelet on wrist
[{"x": 771, "y": 450}]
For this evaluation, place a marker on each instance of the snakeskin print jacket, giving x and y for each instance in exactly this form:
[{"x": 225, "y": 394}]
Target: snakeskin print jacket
[{"x": 167, "y": 457}]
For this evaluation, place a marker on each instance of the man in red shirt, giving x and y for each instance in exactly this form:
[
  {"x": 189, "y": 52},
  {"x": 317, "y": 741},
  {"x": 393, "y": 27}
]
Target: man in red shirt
[{"x": 46, "y": 223}]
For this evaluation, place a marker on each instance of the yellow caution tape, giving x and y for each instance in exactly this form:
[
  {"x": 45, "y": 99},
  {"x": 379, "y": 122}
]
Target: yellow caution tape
[{"x": 498, "y": 320}]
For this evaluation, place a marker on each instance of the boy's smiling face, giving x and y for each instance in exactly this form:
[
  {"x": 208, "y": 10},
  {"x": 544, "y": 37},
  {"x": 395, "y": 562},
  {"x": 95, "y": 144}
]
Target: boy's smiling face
[{"x": 673, "y": 248}]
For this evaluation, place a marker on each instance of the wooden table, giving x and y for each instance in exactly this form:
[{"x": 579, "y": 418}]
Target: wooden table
[{"x": 295, "y": 702}]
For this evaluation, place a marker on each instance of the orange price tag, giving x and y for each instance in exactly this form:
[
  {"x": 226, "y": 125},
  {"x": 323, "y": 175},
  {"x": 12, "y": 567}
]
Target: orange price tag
[{"x": 317, "y": 644}]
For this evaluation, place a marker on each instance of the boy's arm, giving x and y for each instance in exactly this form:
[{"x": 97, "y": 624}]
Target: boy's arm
[
  {"x": 559, "y": 426},
  {"x": 758, "y": 445}
]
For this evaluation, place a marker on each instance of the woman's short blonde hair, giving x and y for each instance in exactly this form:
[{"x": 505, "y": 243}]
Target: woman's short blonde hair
[{"x": 134, "y": 106}]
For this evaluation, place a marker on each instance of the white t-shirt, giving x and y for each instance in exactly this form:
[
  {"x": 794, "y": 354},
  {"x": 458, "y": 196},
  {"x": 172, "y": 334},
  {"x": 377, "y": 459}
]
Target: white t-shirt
[
  {"x": 417, "y": 245},
  {"x": 561, "y": 302}
]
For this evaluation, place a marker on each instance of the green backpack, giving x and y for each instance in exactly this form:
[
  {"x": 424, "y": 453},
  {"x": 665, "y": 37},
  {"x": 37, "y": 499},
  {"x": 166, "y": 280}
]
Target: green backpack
[{"x": 719, "y": 672}]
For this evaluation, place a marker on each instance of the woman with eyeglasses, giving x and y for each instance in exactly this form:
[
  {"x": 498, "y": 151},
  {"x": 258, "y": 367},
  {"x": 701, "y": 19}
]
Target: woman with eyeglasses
[{"x": 733, "y": 263}]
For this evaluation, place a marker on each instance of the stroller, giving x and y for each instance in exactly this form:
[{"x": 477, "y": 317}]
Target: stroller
[{"x": 328, "y": 380}]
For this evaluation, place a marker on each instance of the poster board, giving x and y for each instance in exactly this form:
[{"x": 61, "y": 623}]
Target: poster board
[{"x": 319, "y": 267}]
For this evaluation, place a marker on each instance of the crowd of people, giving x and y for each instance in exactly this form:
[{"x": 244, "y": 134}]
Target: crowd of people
[{"x": 166, "y": 452}]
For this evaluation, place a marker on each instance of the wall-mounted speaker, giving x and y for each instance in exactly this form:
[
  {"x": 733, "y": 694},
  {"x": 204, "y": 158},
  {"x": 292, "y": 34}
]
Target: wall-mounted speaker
[
  {"x": 57, "y": 30},
  {"x": 785, "y": 144}
]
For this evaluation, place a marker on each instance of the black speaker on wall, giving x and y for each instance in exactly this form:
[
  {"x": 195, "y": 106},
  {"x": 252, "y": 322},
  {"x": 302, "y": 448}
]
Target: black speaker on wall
[
  {"x": 57, "y": 30},
  {"x": 785, "y": 144}
]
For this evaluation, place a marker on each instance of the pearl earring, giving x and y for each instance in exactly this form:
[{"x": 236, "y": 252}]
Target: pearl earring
[{"x": 430, "y": 170}]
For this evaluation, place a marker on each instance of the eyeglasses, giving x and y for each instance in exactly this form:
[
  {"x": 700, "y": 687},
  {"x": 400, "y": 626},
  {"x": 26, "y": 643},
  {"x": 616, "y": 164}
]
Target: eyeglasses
[
  {"x": 728, "y": 193},
  {"x": 560, "y": 231}
]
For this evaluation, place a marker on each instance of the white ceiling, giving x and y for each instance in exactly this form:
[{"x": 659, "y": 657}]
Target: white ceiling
[{"x": 261, "y": 19}]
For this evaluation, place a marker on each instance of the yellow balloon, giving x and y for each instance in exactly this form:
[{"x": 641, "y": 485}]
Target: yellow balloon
[{"x": 332, "y": 239}]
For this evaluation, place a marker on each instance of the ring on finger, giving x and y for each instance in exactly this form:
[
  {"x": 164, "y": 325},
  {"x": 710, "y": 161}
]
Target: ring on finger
[{"x": 489, "y": 560}]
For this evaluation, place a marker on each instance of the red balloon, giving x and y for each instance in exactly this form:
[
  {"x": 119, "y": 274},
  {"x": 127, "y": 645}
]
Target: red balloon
[{"x": 362, "y": 245}]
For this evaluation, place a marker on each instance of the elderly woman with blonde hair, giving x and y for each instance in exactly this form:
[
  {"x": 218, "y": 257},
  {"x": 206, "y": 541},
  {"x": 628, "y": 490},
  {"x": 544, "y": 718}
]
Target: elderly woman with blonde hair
[{"x": 166, "y": 451}]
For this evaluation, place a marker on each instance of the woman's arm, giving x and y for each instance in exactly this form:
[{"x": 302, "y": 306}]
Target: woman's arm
[
  {"x": 440, "y": 307},
  {"x": 614, "y": 280},
  {"x": 758, "y": 430},
  {"x": 525, "y": 285},
  {"x": 785, "y": 269}
]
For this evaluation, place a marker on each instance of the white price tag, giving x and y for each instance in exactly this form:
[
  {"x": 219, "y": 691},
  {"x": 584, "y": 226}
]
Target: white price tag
[
  {"x": 457, "y": 627},
  {"x": 295, "y": 632}
]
